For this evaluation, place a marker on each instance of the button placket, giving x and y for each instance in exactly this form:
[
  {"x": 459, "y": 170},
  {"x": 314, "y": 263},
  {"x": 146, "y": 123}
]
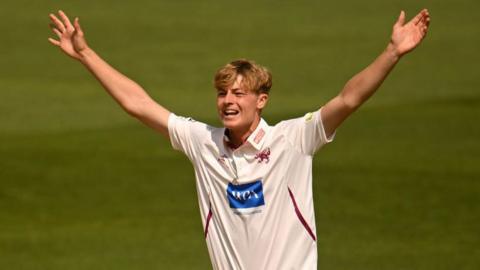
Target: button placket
[{"x": 233, "y": 168}]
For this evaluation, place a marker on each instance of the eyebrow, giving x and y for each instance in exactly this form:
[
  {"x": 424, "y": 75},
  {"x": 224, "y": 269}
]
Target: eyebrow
[{"x": 233, "y": 89}]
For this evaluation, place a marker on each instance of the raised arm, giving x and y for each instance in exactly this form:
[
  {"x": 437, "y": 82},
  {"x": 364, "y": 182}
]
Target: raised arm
[
  {"x": 405, "y": 37},
  {"x": 128, "y": 94}
]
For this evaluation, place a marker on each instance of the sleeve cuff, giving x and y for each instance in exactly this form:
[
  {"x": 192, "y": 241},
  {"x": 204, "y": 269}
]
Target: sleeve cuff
[
  {"x": 321, "y": 129},
  {"x": 171, "y": 131}
]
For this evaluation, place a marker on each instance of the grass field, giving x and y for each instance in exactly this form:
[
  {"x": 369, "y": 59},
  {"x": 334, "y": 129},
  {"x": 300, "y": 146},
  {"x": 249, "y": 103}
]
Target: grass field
[{"x": 84, "y": 186}]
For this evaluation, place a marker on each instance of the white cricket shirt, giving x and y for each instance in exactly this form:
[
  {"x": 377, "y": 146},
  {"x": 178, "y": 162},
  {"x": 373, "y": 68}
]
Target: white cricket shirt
[{"x": 255, "y": 201}]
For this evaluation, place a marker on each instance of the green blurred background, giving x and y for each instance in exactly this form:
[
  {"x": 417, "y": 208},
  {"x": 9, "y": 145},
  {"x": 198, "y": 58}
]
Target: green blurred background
[{"x": 84, "y": 186}]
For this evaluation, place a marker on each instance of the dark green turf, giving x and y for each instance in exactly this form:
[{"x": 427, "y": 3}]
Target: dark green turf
[{"x": 83, "y": 186}]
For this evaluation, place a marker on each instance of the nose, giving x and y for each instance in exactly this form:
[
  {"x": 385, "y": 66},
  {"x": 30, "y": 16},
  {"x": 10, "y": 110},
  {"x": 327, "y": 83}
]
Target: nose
[{"x": 229, "y": 97}]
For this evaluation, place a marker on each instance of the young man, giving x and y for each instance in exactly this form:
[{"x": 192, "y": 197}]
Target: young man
[{"x": 254, "y": 181}]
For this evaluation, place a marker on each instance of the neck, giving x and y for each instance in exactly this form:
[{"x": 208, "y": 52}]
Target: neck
[{"x": 239, "y": 136}]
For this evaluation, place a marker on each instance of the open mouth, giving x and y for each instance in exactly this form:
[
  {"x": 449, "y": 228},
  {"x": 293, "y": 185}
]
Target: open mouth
[{"x": 230, "y": 112}]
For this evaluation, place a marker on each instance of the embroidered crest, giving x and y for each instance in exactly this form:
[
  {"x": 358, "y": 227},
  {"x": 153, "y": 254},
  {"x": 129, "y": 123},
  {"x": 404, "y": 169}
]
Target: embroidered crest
[
  {"x": 263, "y": 155},
  {"x": 308, "y": 116}
]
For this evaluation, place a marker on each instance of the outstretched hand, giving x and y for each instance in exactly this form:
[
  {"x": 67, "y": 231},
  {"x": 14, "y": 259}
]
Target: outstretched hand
[
  {"x": 405, "y": 37},
  {"x": 70, "y": 37}
]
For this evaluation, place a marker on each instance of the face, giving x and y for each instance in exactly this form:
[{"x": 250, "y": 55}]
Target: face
[{"x": 238, "y": 108}]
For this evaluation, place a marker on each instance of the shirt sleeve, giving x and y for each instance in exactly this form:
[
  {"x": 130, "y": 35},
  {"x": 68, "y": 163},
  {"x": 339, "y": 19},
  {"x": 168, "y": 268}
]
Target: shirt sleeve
[
  {"x": 186, "y": 134},
  {"x": 307, "y": 133}
]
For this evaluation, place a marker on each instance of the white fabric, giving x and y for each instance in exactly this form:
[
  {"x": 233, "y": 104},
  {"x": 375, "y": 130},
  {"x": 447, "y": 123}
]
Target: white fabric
[{"x": 249, "y": 193}]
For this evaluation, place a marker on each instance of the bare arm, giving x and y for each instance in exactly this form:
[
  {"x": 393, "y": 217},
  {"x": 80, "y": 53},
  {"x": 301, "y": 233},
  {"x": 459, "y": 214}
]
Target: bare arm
[
  {"x": 405, "y": 37},
  {"x": 127, "y": 93}
]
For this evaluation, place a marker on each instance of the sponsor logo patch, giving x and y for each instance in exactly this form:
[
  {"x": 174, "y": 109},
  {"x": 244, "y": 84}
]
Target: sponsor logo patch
[{"x": 246, "y": 198}]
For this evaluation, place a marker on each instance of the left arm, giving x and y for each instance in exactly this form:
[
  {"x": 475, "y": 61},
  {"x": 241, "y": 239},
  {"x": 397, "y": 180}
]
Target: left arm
[{"x": 405, "y": 37}]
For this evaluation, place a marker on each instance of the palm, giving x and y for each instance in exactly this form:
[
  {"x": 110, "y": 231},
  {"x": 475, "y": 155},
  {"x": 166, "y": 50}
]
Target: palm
[
  {"x": 405, "y": 37},
  {"x": 66, "y": 45}
]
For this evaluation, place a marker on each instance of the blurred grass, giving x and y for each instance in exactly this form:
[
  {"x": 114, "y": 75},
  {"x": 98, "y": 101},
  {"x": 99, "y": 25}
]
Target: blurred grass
[{"x": 83, "y": 186}]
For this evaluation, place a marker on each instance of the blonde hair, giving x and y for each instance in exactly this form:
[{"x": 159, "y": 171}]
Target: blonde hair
[{"x": 255, "y": 77}]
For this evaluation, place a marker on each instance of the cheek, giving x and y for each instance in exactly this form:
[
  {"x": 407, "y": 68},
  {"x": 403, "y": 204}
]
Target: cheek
[{"x": 250, "y": 106}]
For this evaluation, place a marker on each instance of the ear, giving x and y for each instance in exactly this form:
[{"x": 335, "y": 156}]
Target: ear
[{"x": 262, "y": 101}]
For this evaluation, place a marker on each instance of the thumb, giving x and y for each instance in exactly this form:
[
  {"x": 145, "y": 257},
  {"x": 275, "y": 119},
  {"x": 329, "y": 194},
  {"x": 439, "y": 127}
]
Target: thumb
[
  {"x": 76, "y": 24},
  {"x": 401, "y": 19}
]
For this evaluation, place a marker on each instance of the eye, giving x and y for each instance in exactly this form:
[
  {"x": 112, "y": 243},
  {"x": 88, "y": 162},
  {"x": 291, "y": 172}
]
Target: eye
[
  {"x": 238, "y": 94},
  {"x": 220, "y": 94}
]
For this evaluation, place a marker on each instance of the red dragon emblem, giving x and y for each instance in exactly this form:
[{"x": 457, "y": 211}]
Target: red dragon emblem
[{"x": 263, "y": 155}]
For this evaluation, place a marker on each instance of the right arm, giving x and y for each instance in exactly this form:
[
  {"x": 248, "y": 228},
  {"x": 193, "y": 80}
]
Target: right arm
[{"x": 127, "y": 93}]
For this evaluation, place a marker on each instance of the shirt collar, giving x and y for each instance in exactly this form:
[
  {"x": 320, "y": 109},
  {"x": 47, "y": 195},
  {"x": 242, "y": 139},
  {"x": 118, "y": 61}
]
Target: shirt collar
[{"x": 257, "y": 137}]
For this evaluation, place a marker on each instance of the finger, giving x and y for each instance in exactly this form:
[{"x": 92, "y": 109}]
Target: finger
[
  {"x": 66, "y": 20},
  {"x": 58, "y": 33},
  {"x": 55, "y": 30},
  {"x": 425, "y": 22},
  {"x": 426, "y": 29},
  {"x": 57, "y": 23},
  {"x": 76, "y": 23},
  {"x": 401, "y": 19},
  {"x": 54, "y": 42},
  {"x": 419, "y": 16}
]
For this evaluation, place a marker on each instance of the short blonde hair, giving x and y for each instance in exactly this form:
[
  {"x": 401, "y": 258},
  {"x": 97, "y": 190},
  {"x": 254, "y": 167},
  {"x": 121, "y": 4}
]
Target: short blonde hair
[{"x": 255, "y": 77}]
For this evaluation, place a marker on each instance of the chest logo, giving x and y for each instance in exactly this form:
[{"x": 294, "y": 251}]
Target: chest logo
[
  {"x": 246, "y": 198},
  {"x": 263, "y": 155}
]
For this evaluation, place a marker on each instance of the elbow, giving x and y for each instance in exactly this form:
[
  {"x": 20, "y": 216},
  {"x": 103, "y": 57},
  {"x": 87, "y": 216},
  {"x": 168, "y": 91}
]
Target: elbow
[
  {"x": 131, "y": 111},
  {"x": 351, "y": 102},
  {"x": 133, "y": 107}
]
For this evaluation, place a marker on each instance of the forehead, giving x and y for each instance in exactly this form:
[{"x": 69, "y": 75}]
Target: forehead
[{"x": 236, "y": 85}]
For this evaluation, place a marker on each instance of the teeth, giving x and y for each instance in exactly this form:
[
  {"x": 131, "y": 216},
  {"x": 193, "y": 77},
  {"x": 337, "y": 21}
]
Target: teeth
[{"x": 230, "y": 112}]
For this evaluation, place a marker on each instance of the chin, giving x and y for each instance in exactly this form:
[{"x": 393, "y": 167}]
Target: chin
[
  {"x": 231, "y": 123},
  {"x": 228, "y": 124}
]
